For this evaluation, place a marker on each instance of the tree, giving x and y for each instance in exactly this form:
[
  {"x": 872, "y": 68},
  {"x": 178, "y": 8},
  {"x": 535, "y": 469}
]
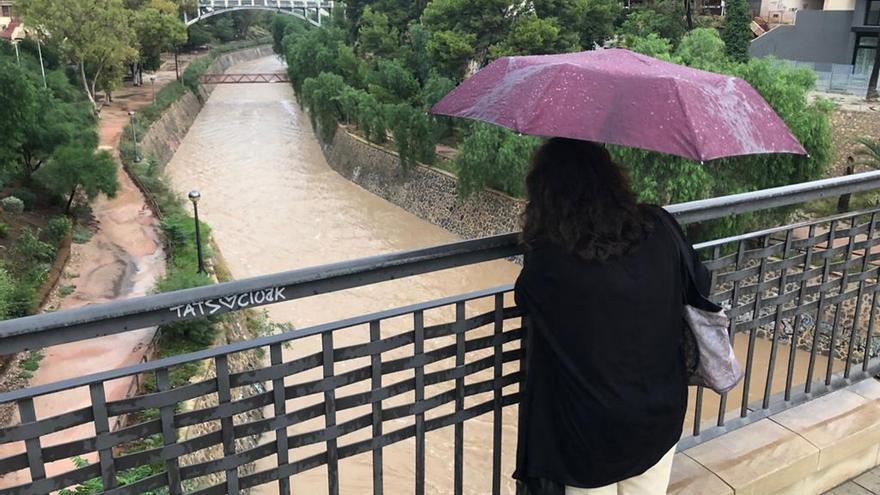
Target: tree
[
  {"x": 664, "y": 18},
  {"x": 158, "y": 28},
  {"x": 477, "y": 24},
  {"x": 583, "y": 23},
  {"x": 74, "y": 168},
  {"x": 92, "y": 34},
  {"x": 736, "y": 31},
  {"x": 450, "y": 52},
  {"x": 492, "y": 156},
  {"x": 412, "y": 134},
  {"x": 18, "y": 100},
  {"x": 320, "y": 95},
  {"x": 530, "y": 35},
  {"x": 702, "y": 48},
  {"x": 376, "y": 38},
  {"x": 390, "y": 82}
]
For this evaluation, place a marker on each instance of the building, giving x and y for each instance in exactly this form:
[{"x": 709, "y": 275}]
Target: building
[
  {"x": 840, "y": 33},
  {"x": 10, "y": 26}
]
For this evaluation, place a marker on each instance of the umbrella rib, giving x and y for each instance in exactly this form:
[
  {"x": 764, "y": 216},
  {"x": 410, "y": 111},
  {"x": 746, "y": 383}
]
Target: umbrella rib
[{"x": 695, "y": 148}]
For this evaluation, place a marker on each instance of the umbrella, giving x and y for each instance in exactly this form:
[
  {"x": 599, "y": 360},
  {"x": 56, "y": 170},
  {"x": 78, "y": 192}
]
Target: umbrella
[{"x": 616, "y": 96}]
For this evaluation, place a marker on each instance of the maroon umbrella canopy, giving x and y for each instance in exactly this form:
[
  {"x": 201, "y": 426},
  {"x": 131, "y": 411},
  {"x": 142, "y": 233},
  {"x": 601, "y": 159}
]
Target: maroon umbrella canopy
[{"x": 616, "y": 96}]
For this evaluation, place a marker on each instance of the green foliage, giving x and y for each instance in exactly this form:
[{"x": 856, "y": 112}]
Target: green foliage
[
  {"x": 312, "y": 52},
  {"x": 736, "y": 31},
  {"x": 96, "y": 34},
  {"x": 74, "y": 169},
  {"x": 583, "y": 23},
  {"x": 57, "y": 229},
  {"x": 412, "y": 134},
  {"x": 39, "y": 119},
  {"x": 530, "y": 35},
  {"x": 665, "y": 18},
  {"x": 18, "y": 100},
  {"x": 4, "y": 230},
  {"x": 26, "y": 196},
  {"x": 479, "y": 24},
  {"x": 81, "y": 234},
  {"x": 319, "y": 95},
  {"x": 28, "y": 246},
  {"x": 868, "y": 153},
  {"x": 376, "y": 38},
  {"x": 7, "y": 291},
  {"x": 158, "y": 28},
  {"x": 391, "y": 82},
  {"x": 494, "y": 157},
  {"x": 450, "y": 52},
  {"x": 95, "y": 485},
  {"x": 198, "y": 35},
  {"x": 702, "y": 48},
  {"x": 13, "y": 205},
  {"x": 651, "y": 45}
]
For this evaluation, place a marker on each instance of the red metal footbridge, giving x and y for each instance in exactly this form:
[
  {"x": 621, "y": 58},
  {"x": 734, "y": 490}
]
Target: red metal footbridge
[{"x": 264, "y": 77}]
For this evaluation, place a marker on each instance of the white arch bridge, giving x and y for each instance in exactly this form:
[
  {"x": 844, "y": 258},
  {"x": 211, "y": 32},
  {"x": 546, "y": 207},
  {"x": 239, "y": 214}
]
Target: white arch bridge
[{"x": 308, "y": 10}]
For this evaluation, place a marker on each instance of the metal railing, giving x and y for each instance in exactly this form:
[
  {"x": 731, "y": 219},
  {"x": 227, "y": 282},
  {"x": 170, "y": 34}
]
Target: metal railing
[{"x": 801, "y": 298}]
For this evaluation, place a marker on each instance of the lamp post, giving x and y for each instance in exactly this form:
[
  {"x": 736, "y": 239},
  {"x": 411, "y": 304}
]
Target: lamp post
[
  {"x": 17, "y": 56},
  {"x": 194, "y": 197},
  {"x": 42, "y": 66},
  {"x": 134, "y": 141},
  {"x": 153, "y": 85}
]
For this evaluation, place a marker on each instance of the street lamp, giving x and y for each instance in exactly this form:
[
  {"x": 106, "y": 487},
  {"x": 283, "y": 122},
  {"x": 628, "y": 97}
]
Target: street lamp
[
  {"x": 134, "y": 141},
  {"x": 15, "y": 43},
  {"x": 194, "y": 197},
  {"x": 153, "y": 85}
]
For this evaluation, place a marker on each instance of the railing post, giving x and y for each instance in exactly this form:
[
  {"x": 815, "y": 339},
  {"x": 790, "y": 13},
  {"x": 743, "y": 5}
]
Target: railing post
[
  {"x": 330, "y": 429},
  {"x": 224, "y": 398},
  {"x": 376, "y": 389},
  {"x": 498, "y": 369},
  {"x": 169, "y": 434},
  {"x": 419, "y": 352},
  {"x": 102, "y": 428},
  {"x": 280, "y": 402},
  {"x": 458, "y": 457},
  {"x": 28, "y": 414}
]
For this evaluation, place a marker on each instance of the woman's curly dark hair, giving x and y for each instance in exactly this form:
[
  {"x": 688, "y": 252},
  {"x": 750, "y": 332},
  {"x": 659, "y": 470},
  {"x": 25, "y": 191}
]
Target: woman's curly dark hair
[{"x": 579, "y": 199}]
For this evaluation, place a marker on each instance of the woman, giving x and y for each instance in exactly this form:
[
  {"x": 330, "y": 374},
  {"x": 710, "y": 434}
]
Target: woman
[{"x": 603, "y": 287}]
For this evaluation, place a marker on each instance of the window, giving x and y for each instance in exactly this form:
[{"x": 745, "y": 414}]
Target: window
[
  {"x": 872, "y": 13},
  {"x": 863, "y": 58},
  {"x": 5, "y": 11}
]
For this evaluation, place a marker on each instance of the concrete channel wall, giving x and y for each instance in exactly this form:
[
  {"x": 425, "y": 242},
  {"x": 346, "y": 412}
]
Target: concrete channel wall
[{"x": 427, "y": 192}]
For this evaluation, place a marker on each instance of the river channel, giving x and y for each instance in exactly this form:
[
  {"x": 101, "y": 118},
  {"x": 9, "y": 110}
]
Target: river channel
[{"x": 274, "y": 205}]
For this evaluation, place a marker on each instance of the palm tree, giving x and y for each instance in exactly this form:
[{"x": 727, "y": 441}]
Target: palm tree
[{"x": 869, "y": 152}]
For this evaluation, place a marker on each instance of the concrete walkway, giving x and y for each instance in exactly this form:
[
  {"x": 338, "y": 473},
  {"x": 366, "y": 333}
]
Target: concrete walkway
[{"x": 866, "y": 484}]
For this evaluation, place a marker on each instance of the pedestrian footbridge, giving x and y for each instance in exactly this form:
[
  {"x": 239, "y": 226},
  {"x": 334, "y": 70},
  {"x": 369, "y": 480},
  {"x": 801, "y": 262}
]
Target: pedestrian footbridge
[
  {"x": 311, "y": 11},
  {"x": 803, "y": 306}
]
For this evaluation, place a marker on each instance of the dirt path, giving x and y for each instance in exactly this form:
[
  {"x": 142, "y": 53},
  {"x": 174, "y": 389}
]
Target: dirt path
[{"x": 124, "y": 258}]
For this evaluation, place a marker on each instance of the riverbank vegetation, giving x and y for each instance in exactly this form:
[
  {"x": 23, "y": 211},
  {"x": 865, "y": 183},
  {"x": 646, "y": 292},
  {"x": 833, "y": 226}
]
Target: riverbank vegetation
[
  {"x": 379, "y": 68},
  {"x": 48, "y": 158}
]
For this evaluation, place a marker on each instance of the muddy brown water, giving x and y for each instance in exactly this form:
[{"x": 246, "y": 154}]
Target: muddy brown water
[{"x": 274, "y": 204}]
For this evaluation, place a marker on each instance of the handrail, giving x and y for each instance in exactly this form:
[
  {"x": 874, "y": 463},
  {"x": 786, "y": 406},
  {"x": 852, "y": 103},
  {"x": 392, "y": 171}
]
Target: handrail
[{"x": 120, "y": 316}]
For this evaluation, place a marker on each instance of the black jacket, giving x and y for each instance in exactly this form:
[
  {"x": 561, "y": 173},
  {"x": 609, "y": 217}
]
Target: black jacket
[{"x": 605, "y": 392}]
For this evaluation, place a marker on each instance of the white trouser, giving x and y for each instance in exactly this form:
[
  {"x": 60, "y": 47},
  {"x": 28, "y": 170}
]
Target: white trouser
[{"x": 654, "y": 481}]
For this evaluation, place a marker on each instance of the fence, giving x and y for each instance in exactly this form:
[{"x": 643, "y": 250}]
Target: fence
[{"x": 801, "y": 298}]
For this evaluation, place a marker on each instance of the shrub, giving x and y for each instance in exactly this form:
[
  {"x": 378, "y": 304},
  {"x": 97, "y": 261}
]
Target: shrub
[
  {"x": 413, "y": 136},
  {"x": 26, "y": 196},
  {"x": 494, "y": 157},
  {"x": 7, "y": 291},
  {"x": 11, "y": 204},
  {"x": 57, "y": 229},
  {"x": 30, "y": 247},
  {"x": 4, "y": 230}
]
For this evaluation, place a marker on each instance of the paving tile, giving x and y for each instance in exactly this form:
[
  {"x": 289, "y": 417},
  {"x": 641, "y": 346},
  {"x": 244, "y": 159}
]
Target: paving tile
[
  {"x": 869, "y": 480},
  {"x": 849, "y": 488},
  {"x": 840, "y": 424},
  {"x": 758, "y": 459},
  {"x": 690, "y": 478},
  {"x": 869, "y": 389}
]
